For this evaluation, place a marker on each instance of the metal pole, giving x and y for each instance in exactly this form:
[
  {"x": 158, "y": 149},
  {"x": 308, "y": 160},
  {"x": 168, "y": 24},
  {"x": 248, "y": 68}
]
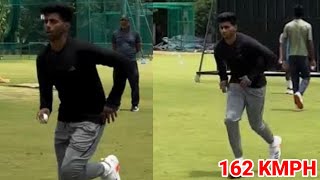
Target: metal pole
[
  {"x": 207, "y": 32},
  {"x": 138, "y": 23},
  {"x": 124, "y": 8},
  {"x": 144, "y": 14},
  {"x": 89, "y": 17}
]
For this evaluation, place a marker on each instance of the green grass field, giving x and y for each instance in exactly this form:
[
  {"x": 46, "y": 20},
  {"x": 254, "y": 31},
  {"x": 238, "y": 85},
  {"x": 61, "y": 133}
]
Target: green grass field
[
  {"x": 27, "y": 152},
  {"x": 189, "y": 133},
  {"x": 188, "y": 138}
]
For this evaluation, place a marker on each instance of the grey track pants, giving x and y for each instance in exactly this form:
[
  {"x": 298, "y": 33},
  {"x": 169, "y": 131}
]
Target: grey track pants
[
  {"x": 75, "y": 143},
  {"x": 251, "y": 99},
  {"x": 299, "y": 67}
]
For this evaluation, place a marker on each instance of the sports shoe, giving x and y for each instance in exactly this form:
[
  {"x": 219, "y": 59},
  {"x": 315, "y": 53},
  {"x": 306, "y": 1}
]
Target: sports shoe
[
  {"x": 298, "y": 100},
  {"x": 112, "y": 168},
  {"x": 134, "y": 108},
  {"x": 233, "y": 177},
  {"x": 275, "y": 149},
  {"x": 289, "y": 91},
  {"x": 242, "y": 167}
]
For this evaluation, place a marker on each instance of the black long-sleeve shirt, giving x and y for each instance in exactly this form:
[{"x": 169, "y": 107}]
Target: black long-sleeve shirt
[
  {"x": 74, "y": 74},
  {"x": 245, "y": 57}
]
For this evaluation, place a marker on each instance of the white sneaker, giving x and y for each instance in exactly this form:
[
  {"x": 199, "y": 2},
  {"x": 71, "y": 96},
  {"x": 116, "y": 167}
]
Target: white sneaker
[
  {"x": 135, "y": 108},
  {"x": 112, "y": 168},
  {"x": 289, "y": 91},
  {"x": 298, "y": 100},
  {"x": 275, "y": 149},
  {"x": 243, "y": 168}
]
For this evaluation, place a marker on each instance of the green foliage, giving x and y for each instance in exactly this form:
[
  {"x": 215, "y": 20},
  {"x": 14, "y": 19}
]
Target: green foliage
[
  {"x": 4, "y": 14},
  {"x": 27, "y": 24},
  {"x": 202, "y": 9}
]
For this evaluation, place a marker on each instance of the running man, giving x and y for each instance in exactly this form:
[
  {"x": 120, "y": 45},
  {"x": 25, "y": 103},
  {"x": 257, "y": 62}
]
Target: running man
[
  {"x": 247, "y": 60},
  {"x": 298, "y": 33}
]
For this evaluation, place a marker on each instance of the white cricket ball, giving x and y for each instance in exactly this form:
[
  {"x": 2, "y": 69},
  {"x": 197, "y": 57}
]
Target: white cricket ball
[{"x": 45, "y": 117}]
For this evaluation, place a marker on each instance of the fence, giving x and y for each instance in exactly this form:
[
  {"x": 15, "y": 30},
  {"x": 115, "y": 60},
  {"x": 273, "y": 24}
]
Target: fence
[
  {"x": 21, "y": 29},
  {"x": 265, "y": 19}
]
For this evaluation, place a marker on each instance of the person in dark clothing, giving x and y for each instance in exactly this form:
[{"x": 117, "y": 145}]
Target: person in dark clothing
[
  {"x": 247, "y": 60},
  {"x": 70, "y": 66},
  {"x": 128, "y": 43}
]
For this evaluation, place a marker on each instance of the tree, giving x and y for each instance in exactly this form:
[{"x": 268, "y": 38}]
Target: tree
[
  {"x": 202, "y": 10},
  {"x": 4, "y": 14},
  {"x": 27, "y": 24},
  {"x": 30, "y": 28}
]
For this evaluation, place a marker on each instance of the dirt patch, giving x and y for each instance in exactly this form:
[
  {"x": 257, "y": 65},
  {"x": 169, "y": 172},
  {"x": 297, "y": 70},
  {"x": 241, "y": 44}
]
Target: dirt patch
[
  {"x": 25, "y": 85},
  {"x": 2, "y": 80},
  {"x": 16, "y": 93},
  {"x": 28, "y": 85}
]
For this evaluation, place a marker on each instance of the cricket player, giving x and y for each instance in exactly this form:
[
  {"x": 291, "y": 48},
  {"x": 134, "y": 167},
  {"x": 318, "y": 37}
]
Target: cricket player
[
  {"x": 298, "y": 33},
  {"x": 246, "y": 89},
  {"x": 70, "y": 66}
]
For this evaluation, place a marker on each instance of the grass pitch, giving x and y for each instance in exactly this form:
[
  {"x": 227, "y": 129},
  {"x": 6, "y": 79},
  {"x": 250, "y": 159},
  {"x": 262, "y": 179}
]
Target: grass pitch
[
  {"x": 27, "y": 147},
  {"x": 189, "y": 133}
]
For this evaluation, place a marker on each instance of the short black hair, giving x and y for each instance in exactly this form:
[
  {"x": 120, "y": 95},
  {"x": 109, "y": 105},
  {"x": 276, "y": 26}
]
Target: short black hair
[
  {"x": 298, "y": 11},
  {"x": 227, "y": 17},
  {"x": 65, "y": 11}
]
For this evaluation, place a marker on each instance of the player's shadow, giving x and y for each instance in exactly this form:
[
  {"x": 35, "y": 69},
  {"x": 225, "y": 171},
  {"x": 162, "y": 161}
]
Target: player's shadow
[
  {"x": 280, "y": 93},
  {"x": 124, "y": 109},
  {"x": 201, "y": 174},
  {"x": 286, "y": 109}
]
